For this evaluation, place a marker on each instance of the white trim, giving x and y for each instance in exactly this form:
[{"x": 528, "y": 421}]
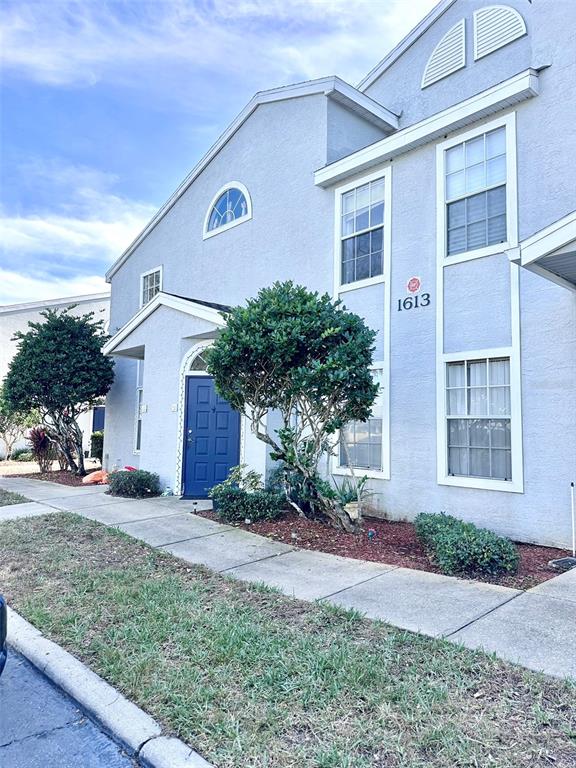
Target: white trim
[
  {"x": 206, "y": 233},
  {"x": 184, "y": 373},
  {"x": 160, "y": 269},
  {"x": 187, "y": 306},
  {"x": 548, "y": 240},
  {"x": 138, "y": 418},
  {"x": 331, "y": 87},
  {"x": 338, "y": 286},
  {"x": 523, "y": 86},
  {"x": 427, "y": 79},
  {"x": 496, "y": 44},
  {"x": 516, "y": 485},
  {"x": 414, "y": 35},
  {"x": 383, "y": 474},
  {"x": 385, "y": 281},
  {"x": 552, "y": 276},
  {"x": 509, "y": 123},
  {"x": 6, "y": 309},
  {"x": 347, "y": 287}
]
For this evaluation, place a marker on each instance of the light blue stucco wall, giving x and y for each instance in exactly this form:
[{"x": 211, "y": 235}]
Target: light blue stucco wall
[
  {"x": 291, "y": 236},
  {"x": 398, "y": 88}
]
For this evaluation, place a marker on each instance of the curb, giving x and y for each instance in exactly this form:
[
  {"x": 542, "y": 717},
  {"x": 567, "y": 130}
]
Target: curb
[{"x": 129, "y": 725}]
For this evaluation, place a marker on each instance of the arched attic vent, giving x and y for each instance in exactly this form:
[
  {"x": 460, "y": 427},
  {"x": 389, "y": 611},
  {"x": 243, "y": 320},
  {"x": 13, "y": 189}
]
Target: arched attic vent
[
  {"x": 448, "y": 56},
  {"x": 494, "y": 27}
]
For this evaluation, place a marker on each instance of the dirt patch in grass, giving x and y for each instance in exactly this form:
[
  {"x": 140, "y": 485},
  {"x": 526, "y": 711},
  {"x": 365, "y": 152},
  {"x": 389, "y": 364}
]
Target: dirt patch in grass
[
  {"x": 254, "y": 679},
  {"x": 62, "y": 476},
  {"x": 394, "y": 543},
  {"x": 8, "y": 497}
]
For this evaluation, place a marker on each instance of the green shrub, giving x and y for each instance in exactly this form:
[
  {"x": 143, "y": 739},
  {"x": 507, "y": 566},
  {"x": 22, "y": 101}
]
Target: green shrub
[
  {"x": 22, "y": 454},
  {"x": 97, "y": 445},
  {"x": 235, "y": 505},
  {"x": 134, "y": 485},
  {"x": 462, "y": 548}
]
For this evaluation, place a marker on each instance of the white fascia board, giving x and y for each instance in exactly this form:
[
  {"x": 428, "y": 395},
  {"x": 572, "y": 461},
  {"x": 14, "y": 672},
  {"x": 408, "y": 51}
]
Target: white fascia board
[
  {"x": 189, "y": 307},
  {"x": 512, "y": 91},
  {"x": 332, "y": 87},
  {"x": 65, "y": 302},
  {"x": 405, "y": 43},
  {"x": 548, "y": 240}
]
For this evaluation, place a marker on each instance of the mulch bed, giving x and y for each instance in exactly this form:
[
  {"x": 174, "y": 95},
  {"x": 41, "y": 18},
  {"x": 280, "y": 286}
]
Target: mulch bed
[
  {"x": 62, "y": 476},
  {"x": 394, "y": 543}
]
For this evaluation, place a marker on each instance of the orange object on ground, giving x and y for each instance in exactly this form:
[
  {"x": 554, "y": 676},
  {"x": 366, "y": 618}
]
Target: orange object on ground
[{"x": 95, "y": 478}]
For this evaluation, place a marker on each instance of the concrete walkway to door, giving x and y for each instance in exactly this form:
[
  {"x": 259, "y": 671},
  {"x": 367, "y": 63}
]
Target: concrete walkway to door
[{"x": 533, "y": 628}]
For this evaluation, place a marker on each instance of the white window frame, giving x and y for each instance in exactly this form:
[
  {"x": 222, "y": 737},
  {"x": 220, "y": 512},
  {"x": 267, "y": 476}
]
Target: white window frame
[
  {"x": 384, "y": 473},
  {"x": 509, "y": 123},
  {"x": 516, "y": 484},
  {"x": 206, "y": 233},
  {"x": 340, "y": 287},
  {"x": 138, "y": 408},
  {"x": 143, "y": 275}
]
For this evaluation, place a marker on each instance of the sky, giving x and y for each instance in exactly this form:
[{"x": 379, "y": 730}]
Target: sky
[{"x": 107, "y": 104}]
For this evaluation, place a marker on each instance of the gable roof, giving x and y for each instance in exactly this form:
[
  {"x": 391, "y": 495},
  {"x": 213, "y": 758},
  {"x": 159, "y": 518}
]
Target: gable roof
[
  {"x": 332, "y": 87},
  {"x": 404, "y": 44},
  {"x": 67, "y": 301},
  {"x": 201, "y": 309}
]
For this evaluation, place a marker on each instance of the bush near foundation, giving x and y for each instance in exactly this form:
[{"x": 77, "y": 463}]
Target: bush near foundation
[
  {"x": 235, "y": 505},
  {"x": 134, "y": 485},
  {"x": 22, "y": 454},
  {"x": 462, "y": 548},
  {"x": 97, "y": 445}
]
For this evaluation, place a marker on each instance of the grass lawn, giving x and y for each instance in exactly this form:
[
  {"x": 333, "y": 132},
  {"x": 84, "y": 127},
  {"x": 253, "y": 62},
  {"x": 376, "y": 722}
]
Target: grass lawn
[
  {"x": 254, "y": 679},
  {"x": 7, "y": 497}
]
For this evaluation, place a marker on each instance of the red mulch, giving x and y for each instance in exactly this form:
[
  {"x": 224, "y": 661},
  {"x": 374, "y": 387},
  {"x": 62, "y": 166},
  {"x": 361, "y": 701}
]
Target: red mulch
[
  {"x": 395, "y": 543},
  {"x": 62, "y": 476}
]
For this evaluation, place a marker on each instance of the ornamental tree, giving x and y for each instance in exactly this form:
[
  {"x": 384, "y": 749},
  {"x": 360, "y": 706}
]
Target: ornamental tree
[
  {"x": 305, "y": 357},
  {"x": 13, "y": 424},
  {"x": 59, "y": 370}
]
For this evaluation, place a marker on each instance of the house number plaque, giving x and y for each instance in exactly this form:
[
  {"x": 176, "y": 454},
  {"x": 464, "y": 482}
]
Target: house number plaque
[{"x": 416, "y": 299}]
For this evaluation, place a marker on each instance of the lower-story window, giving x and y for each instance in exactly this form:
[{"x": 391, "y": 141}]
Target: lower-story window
[
  {"x": 139, "y": 396},
  {"x": 479, "y": 418},
  {"x": 361, "y": 441}
]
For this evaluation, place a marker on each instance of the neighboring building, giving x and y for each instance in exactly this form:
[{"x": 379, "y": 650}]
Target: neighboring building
[
  {"x": 438, "y": 200},
  {"x": 15, "y": 317}
]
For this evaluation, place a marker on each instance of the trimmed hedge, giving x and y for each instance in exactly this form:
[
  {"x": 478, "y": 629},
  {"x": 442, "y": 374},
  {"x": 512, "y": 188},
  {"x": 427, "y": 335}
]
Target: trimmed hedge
[
  {"x": 22, "y": 454},
  {"x": 134, "y": 485},
  {"x": 235, "y": 505},
  {"x": 97, "y": 445},
  {"x": 462, "y": 548}
]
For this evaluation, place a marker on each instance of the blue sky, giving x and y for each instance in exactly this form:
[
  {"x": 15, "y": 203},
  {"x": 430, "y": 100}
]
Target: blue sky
[{"x": 107, "y": 105}]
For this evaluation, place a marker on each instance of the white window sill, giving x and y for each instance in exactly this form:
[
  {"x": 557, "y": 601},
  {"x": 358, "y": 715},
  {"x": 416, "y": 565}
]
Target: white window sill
[
  {"x": 479, "y": 253},
  {"x": 372, "y": 474},
  {"x": 361, "y": 284},
  {"x": 481, "y": 483},
  {"x": 225, "y": 227}
]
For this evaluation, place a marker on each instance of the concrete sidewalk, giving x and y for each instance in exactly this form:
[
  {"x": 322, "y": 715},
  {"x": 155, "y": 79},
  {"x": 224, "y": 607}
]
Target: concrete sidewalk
[{"x": 533, "y": 628}]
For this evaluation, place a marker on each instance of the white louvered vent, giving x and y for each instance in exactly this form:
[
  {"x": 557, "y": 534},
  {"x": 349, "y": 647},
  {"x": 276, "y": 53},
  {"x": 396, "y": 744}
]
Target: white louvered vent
[
  {"x": 448, "y": 56},
  {"x": 494, "y": 27}
]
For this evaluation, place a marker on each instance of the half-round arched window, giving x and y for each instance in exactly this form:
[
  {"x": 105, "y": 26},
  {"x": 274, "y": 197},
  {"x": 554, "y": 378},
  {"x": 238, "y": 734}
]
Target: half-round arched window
[{"x": 231, "y": 205}]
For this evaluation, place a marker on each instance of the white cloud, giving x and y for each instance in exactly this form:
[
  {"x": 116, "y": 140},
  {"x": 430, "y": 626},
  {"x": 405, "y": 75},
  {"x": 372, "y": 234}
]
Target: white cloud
[
  {"x": 58, "y": 248},
  {"x": 16, "y": 287},
  {"x": 136, "y": 43}
]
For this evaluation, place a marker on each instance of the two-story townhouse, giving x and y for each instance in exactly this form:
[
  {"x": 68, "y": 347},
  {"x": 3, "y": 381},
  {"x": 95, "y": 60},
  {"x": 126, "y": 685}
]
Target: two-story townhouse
[{"x": 438, "y": 200}]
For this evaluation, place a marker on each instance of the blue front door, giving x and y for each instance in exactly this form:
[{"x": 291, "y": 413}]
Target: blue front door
[{"x": 211, "y": 437}]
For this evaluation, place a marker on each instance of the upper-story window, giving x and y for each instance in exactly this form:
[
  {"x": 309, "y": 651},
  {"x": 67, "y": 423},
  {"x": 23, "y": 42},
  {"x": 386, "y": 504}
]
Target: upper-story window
[
  {"x": 230, "y": 206},
  {"x": 362, "y": 232},
  {"x": 475, "y": 172},
  {"x": 150, "y": 285}
]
